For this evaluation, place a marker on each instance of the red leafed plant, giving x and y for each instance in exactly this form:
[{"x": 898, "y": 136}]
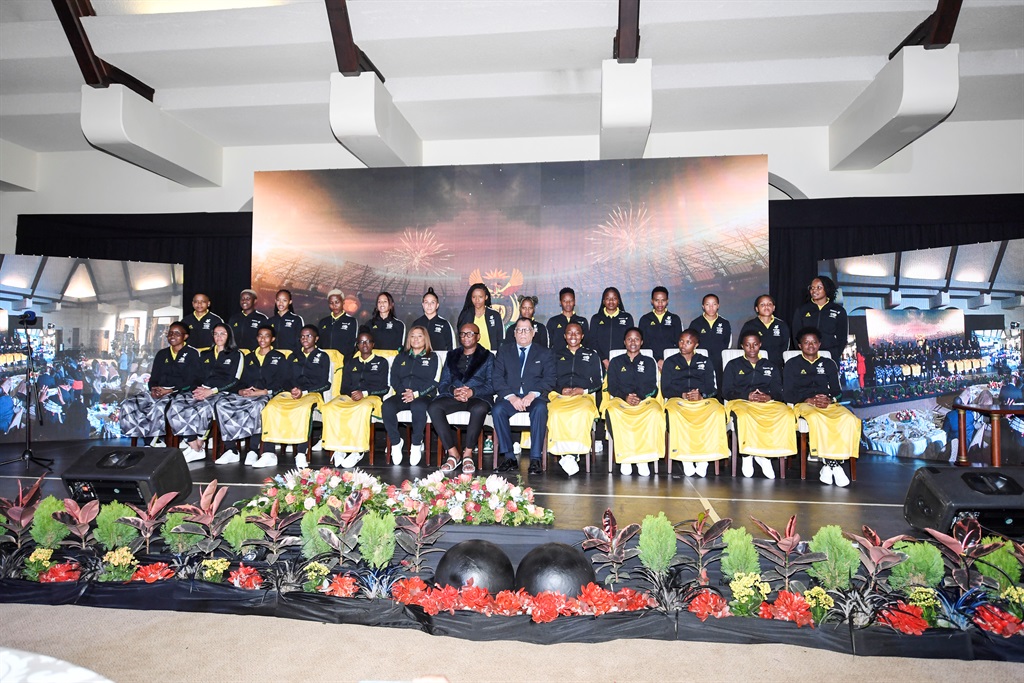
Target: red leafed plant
[
  {"x": 995, "y": 620},
  {"x": 59, "y": 573},
  {"x": 788, "y": 607},
  {"x": 709, "y": 604},
  {"x": 786, "y": 552},
  {"x": 206, "y": 519},
  {"x": 149, "y": 519},
  {"x": 961, "y": 550},
  {"x": 877, "y": 554},
  {"x": 19, "y": 512},
  {"x": 151, "y": 573},
  {"x": 245, "y": 577},
  {"x": 904, "y": 618},
  {"x": 611, "y": 542},
  {"x": 77, "y": 519},
  {"x": 342, "y": 586}
]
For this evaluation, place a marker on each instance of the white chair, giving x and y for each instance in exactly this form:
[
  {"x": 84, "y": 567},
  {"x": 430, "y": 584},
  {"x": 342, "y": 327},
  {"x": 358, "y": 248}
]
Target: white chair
[
  {"x": 802, "y": 428},
  {"x": 674, "y": 350}
]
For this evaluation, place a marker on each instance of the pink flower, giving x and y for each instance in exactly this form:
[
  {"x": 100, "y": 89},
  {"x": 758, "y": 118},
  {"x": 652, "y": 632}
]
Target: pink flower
[
  {"x": 321, "y": 477},
  {"x": 271, "y": 492},
  {"x": 333, "y": 501},
  {"x": 511, "y": 506},
  {"x": 499, "y": 515},
  {"x": 347, "y": 476},
  {"x": 290, "y": 499}
]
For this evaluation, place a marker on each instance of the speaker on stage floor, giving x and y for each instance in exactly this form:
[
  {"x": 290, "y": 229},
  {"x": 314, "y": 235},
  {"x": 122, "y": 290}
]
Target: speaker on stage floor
[
  {"x": 128, "y": 475},
  {"x": 939, "y": 497}
]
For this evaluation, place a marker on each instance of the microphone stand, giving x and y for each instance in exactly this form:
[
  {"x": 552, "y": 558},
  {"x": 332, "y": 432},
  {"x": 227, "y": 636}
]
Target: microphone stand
[{"x": 27, "y": 457}]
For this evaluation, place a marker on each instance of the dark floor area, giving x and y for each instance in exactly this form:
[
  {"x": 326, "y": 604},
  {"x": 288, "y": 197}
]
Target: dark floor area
[{"x": 875, "y": 499}]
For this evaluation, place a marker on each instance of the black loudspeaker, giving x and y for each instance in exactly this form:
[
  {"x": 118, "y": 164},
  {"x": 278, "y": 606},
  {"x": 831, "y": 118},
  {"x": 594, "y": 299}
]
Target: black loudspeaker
[
  {"x": 128, "y": 475},
  {"x": 939, "y": 497}
]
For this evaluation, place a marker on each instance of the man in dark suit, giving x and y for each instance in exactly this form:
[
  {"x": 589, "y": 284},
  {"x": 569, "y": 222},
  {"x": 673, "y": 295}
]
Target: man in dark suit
[{"x": 524, "y": 373}]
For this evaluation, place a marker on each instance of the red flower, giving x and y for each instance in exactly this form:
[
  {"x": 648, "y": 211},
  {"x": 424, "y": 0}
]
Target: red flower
[
  {"x": 546, "y": 606},
  {"x": 58, "y": 573},
  {"x": 409, "y": 591},
  {"x": 710, "y": 604},
  {"x": 596, "y": 600},
  {"x": 631, "y": 600},
  {"x": 342, "y": 586},
  {"x": 765, "y": 611},
  {"x": 151, "y": 573},
  {"x": 904, "y": 618},
  {"x": 245, "y": 577},
  {"x": 477, "y": 599},
  {"x": 789, "y": 607},
  {"x": 511, "y": 603},
  {"x": 995, "y": 620}
]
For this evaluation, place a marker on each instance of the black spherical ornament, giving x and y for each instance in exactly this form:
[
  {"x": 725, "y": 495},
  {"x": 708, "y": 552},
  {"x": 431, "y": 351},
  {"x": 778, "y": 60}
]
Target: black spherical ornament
[
  {"x": 482, "y": 561},
  {"x": 555, "y": 567}
]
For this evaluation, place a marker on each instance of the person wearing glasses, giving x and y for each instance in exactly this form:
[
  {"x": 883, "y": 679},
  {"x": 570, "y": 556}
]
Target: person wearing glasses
[
  {"x": 524, "y": 374},
  {"x": 465, "y": 386},
  {"x": 175, "y": 369}
]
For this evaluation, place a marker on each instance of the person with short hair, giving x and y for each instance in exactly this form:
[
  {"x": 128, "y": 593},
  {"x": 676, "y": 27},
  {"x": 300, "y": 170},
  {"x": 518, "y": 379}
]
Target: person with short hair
[
  {"x": 465, "y": 385},
  {"x": 634, "y": 414},
  {"x": 557, "y": 324},
  {"x": 286, "y": 322},
  {"x": 528, "y": 309},
  {"x": 346, "y": 418},
  {"x": 774, "y": 332},
  {"x": 811, "y": 382},
  {"x": 245, "y": 324},
  {"x": 821, "y": 312},
  {"x": 200, "y": 322},
  {"x": 765, "y": 425},
  {"x": 338, "y": 329},
  {"x": 715, "y": 332},
  {"x": 661, "y": 326},
  {"x": 572, "y": 406}
]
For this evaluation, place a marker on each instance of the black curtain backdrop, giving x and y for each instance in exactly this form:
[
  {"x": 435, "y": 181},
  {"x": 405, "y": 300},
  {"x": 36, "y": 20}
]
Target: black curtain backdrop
[
  {"x": 802, "y": 232},
  {"x": 214, "y": 248}
]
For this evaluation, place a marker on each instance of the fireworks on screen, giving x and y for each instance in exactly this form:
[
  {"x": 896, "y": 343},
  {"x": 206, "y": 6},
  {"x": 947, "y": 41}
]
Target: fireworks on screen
[
  {"x": 418, "y": 251},
  {"x": 624, "y": 235}
]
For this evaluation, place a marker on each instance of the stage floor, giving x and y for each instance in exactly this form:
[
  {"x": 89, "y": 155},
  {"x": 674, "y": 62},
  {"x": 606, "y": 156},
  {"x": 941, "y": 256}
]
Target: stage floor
[{"x": 875, "y": 499}]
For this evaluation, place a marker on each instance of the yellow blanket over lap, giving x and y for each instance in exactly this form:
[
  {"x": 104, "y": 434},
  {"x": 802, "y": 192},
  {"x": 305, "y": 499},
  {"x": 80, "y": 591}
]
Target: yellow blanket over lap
[
  {"x": 696, "y": 430},
  {"x": 834, "y": 432},
  {"x": 638, "y": 431},
  {"x": 570, "y": 421},
  {"x": 765, "y": 429},
  {"x": 347, "y": 423},
  {"x": 287, "y": 420}
]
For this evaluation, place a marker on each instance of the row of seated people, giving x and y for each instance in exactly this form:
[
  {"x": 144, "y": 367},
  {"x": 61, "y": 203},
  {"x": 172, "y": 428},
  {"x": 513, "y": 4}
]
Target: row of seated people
[{"x": 272, "y": 395}]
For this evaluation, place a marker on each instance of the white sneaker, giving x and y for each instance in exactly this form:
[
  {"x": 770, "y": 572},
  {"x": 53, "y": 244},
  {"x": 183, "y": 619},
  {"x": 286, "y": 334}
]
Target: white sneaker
[
  {"x": 569, "y": 464},
  {"x": 396, "y": 453},
  {"x": 415, "y": 454},
  {"x": 338, "y": 457},
  {"x": 643, "y": 469},
  {"x": 747, "y": 466},
  {"x": 688, "y": 469},
  {"x": 598, "y": 447},
  {"x": 839, "y": 477},
  {"x": 184, "y": 445},
  {"x": 194, "y": 455},
  {"x": 351, "y": 460},
  {"x": 701, "y": 469},
  {"x": 625, "y": 469},
  {"x": 266, "y": 460},
  {"x": 157, "y": 442},
  {"x": 517, "y": 448},
  {"x": 825, "y": 475},
  {"x": 301, "y": 461},
  {"x": 317, "y": 447},
  {"x": 766, "y": 467},
  {"x": 227, "y": 458},
  {"x": 251, "y": 457}
]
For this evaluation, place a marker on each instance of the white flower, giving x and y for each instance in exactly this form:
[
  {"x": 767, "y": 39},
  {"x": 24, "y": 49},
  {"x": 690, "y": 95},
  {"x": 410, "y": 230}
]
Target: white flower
[
  {"x": 434, "y": 477},
  {"x": 460, "y": 496},
  {"x": 334, "y": 481},
  {"x": 263, "y": 500},
  {"x": 493, "y": 502},
  {"x": 516, "y": 492},
  {"x": 457, "y": 514},
  {"x": 309, "y": 503},
  {"x": 494, "y": 483}
]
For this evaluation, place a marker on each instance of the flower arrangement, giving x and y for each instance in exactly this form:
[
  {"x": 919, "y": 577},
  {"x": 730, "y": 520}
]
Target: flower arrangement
[
  {"x": 37, "y": 563},
  {"x": 546, "y": 606},
  {"x": 245, "y": 577},
  {"x": 213, "y": 570},
  {"x": 118, "y": 565},
  {"x": 465, "y": 499},
  {"x": 748, "y": 592},
  {"x": 316, "y": 577},
  {"x": 788, "y": 607},
  {"x": 341, "y": 586},
  {"x": 151, "y": 573},
  {"x": 61, "y": 572}
]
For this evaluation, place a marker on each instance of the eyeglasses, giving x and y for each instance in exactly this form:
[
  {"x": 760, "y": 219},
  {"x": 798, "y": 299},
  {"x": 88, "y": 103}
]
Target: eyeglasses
[
  {"x": 523, "y": 330},
  {"x": 468, "y": 334}
]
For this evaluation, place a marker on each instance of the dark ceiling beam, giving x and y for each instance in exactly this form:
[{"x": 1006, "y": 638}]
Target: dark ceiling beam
[
  {"x": 39, "y": 275},
  {"x": 67, "y": 280},
  {"x": 949, "y": 266},
  {"x": 996, "y": 265},
  {"x": 936, "y": 31},
  {"x": 897, "y": 264},
  {"x": 128, "y": 280},
  {"x": 626, "y": 46},
  {"x": 351, "y": 60},
  {"x": 92, "y": 279},
  {"x": 97, "y": 73}
]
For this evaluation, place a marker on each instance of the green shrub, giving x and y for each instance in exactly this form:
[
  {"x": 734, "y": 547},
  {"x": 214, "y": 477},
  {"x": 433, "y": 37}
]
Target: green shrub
[
  {"x": 377, "y": 539},
  {"x": 1000, "y": 565},
  {"x": 109, "y": 533},
  {"x": 740, "y": 555},
  {"x": 312, "y": 544},
  {"x": 46, "y": 531},
  {"x": 178, "y": 544},
  {"x": 842, "y": 562},
  {"x": 238, "y": 532},
  {"x": 923, "y": 566},
  {"x": 657, "y": 543}
]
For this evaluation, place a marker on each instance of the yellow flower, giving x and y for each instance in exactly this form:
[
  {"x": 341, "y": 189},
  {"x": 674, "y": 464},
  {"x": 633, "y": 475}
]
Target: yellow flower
[
  {"x": 41, "y": 555},
  {"x": 817, "y": 597},
  {"x": 746, "y": 586},
  {"x": 121, "y": 557},
  {"x": 1013, "y": 594},
  {"x": 316, "y": 571},
  {"x": 923, "y": 597}
]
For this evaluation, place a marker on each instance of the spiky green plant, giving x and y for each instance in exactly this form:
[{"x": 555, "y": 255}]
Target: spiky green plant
[
  {"x": 109, "y": 533},
  {"x": 377, "y": 539},
  {"x": 922, "y": 568},
  {"x": 740, "y": 555},
  {"x": 178, "y": 543},
  {"x": 841, "y": 561},
  {"x": 46, "y": 531},
  {"x": 239, "y": 534},
  {"x": 312, "y": 543},
  {"x": 657, "y": 543},
  {"x": 1000, "y": 565}
]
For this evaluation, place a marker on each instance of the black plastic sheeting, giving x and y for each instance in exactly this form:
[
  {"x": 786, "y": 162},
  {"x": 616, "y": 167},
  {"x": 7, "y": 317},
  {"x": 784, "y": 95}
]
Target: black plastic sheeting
[{"x": 200, "y": 596}]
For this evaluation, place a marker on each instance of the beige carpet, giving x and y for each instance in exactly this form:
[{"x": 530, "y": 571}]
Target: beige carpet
[{"x": 158, "y": 647}]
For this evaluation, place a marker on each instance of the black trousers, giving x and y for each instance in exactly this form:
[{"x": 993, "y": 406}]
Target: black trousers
[
  {"x": 395, "y": 405},
  {"x": 439, "y": 410}
]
